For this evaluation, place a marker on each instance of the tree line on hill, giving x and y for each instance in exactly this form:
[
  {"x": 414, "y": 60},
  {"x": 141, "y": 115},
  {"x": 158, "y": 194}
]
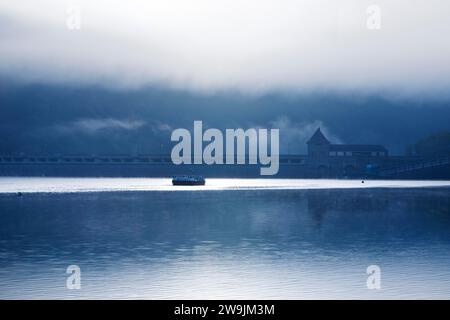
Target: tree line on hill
[{"x": 433, "y": 145}]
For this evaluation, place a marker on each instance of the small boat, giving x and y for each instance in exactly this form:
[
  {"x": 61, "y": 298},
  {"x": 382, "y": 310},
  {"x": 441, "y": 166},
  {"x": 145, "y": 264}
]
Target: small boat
[{"x": 188, "y": 181}]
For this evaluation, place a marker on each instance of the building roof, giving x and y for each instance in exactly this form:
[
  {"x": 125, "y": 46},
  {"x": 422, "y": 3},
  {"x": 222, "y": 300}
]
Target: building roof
[
  {"x": 318, "y": 138},
  {"x": 357, "y": 148}
]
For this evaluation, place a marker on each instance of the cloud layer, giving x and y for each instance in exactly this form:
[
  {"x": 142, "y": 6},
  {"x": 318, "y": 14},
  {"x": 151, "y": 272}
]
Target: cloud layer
[
  {"x": 93, "y": 126},
  {"x": 294, "y": 136},
  {"x": 251, "y": 46}
]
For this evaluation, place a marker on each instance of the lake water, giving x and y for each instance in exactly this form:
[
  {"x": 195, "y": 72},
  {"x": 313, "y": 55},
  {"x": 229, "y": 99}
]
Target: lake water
[{"x": 249, "y": 239}]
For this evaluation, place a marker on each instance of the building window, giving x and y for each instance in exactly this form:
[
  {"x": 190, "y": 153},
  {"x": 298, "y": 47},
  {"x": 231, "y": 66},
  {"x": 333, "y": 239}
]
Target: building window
[
  {"x": 348, "y": 153},
  {"x": 340, "y": 153},
  {"x": 374, "y": 154},
  {"x": 382, "y": 154},
  {"x": 333, "y": 153}
]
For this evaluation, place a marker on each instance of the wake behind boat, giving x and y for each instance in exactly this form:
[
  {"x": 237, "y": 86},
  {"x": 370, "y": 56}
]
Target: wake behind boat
[{"x": 188, "y": 181}]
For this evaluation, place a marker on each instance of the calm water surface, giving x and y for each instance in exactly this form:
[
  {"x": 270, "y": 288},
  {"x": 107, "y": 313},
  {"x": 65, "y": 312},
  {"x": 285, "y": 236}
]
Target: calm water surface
[{"x": 253, "y": 244}]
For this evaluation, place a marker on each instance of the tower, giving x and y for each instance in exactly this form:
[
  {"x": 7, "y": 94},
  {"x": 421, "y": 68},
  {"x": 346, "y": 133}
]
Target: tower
[{"x": 318, "y": 146}]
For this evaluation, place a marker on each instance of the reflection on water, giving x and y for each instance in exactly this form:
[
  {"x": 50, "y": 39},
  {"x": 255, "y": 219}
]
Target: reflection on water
[{"x": 288, "y": 244}]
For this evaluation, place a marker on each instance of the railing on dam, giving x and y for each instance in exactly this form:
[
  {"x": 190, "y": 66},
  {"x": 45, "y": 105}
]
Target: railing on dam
[
  {"x": 430, "y": 163},
  {"x": 119, "y": 159}
]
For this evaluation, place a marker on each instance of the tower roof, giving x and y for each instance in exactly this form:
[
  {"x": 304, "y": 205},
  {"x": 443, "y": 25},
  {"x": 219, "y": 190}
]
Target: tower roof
[{"x": 318, "y": 138}]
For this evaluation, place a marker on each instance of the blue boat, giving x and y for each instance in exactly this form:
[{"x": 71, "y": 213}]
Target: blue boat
[{"x": 188, "y": 181}]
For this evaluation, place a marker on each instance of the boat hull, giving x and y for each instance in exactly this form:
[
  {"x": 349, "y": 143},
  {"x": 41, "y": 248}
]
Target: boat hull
[{"x": 188, "y": 183}]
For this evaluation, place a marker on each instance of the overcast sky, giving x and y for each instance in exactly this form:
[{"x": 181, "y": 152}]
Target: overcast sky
[
  {"x": 137, "y": 69},
  {"x": 253, "y": 46}
]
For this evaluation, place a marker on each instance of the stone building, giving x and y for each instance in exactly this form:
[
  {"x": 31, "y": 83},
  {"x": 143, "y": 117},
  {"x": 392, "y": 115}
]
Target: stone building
[{"x": 329, "y": 159}]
